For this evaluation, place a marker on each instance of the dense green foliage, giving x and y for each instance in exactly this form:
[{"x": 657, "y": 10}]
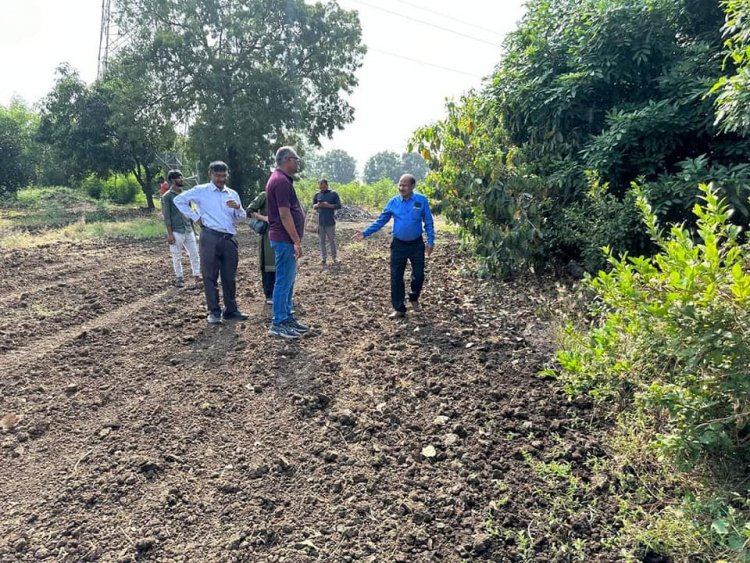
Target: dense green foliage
[
  {"x": 670, "y": 344},
  {"x": 589, "y": 96},
  {"x": 248, "y": 76},
  {"x": 111, "y": 126},
  {"x": 117, "y": 188},
  {"x": 733, "y": 102}
]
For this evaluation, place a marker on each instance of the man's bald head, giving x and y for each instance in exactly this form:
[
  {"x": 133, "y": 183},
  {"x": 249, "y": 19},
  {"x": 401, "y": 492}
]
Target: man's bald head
[{"x": 406, "y": 185}]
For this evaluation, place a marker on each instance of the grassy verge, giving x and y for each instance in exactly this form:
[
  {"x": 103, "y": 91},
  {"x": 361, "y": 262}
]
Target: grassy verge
[
  {"x": 140, "y": 228},
  {"x": 45, "y": 215}
]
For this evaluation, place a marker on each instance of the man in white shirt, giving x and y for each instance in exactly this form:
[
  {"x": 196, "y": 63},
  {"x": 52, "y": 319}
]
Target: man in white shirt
[{"x": 218, "y": 210}]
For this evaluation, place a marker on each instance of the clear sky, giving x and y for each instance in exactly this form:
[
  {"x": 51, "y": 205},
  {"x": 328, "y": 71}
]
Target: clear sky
[{"x": 396, "y": 94}]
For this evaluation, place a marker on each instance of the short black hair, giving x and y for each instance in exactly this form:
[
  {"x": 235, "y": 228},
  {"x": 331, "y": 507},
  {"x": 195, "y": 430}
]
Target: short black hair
[
  {"x": 323, "y": 181},
  {"x": 173, "y": 175},
  {"x": 160, "y": 178},
  {"x": 218, "y": 166}
]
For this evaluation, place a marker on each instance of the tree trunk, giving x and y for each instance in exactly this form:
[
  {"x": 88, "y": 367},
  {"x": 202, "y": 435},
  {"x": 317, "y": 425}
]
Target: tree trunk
[
  {"x": 148, "y": 189},
  {"x": 145, "y": 178}
]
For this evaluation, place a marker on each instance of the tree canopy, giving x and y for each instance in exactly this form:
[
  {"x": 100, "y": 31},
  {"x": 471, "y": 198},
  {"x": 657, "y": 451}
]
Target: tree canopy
[
  {"x": 336, "y": 165},
  {"x": 588, "y": 98},
  {"x": 247, "y": 76}
]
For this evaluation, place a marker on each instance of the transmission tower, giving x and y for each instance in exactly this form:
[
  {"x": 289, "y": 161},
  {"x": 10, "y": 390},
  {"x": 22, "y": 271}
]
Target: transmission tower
[{"x": 111, "y": 37}]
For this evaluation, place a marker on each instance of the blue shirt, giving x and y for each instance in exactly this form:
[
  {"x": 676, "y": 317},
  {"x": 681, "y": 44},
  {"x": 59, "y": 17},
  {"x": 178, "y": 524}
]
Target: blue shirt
[
  {"x": 408, "y": 216},
  {"x": 212, "y": 208}
]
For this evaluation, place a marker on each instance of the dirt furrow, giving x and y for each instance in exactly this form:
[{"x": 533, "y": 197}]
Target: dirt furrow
[{"x": 148, "y": 435}]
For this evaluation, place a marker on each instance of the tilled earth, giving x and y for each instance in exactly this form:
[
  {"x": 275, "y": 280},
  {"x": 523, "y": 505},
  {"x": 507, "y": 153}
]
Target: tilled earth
[{"x": 132, "y": 431}]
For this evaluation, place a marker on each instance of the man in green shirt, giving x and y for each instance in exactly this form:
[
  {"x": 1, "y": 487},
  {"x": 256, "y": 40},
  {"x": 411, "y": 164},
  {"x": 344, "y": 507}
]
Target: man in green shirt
[{"x": 179, "y": 232}]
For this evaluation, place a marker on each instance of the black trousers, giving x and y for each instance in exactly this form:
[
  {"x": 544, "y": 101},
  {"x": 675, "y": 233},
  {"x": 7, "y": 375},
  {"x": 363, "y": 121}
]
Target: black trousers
[
  {"x": 401, "y": 253},
  {"x": 219, "y": 257},
  {"x": 269, "y": 280}
]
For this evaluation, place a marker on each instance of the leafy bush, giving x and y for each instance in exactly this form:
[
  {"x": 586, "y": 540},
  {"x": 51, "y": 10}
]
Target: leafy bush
[
  {"x": 93, "y": 186},
  {"x": 672, "y": 338},
  {"x": 120, "y": 189}
]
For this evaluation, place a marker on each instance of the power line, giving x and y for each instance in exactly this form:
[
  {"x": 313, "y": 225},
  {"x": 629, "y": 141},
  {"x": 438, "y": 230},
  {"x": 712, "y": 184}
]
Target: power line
[
  {"x": 423, "y": 62},
  {"x": 448, "y": 16},
  {"x": 415, "y": 20}
]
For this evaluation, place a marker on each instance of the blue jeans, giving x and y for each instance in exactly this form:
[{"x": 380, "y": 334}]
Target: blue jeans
[{"x": 286, "y": 273}]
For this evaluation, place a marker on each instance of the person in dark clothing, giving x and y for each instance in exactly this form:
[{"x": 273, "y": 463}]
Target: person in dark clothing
[
  {"x": 409, "y": 210},
  {"x": 258, "y": 209},
  {"x": 286, "y": 225},
  {"x": 326, "y": 201}
]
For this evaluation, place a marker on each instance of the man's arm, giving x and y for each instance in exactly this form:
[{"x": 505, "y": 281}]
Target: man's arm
[
  {"x": 167, "y": 220},
  {"x": 336, "y": 201},
  {"x": 429, "y": 226},
  {"x": 182, "y": 202},
  {"x": 288, "y": 222},
  {"x": 377, "y": 224},
  {"x": 239, "y": 213}
]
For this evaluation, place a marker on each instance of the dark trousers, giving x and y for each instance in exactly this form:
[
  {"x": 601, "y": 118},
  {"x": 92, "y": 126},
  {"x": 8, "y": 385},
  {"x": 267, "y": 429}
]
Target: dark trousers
[
  {"x": 219, "y": 257},
  {"x": 269, "y": 280},
  {"x": 401, "y": 252}
]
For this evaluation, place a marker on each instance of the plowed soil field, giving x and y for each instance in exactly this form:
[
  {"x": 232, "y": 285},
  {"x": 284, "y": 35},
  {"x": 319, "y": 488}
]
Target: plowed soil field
[{"x": 133, "y": 431}]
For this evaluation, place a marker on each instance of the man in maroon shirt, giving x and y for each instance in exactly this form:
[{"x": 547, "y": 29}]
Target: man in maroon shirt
[{"x": 286, "y": 224}]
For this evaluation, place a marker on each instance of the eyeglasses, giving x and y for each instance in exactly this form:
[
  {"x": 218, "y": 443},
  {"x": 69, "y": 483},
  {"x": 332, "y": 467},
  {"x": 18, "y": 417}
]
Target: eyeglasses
[{"x": 292, "y": 158}]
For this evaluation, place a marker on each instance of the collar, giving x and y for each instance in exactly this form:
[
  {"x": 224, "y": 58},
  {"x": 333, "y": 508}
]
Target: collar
[
  {"x": 216, "y": 188},
  {"x": 407, "y": 198}
]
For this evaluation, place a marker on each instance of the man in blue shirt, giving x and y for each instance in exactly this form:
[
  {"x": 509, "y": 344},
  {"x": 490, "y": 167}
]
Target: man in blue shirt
[
  {"x": 409, "y": 211},
  {"x": 218, "y": 211}
]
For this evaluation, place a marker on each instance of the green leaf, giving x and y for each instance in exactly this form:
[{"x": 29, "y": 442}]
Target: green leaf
[{"x": 720, "y": 526}]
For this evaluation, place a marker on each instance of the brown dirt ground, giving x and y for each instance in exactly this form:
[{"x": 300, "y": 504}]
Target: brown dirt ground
[{"x": 146, "y": 435}]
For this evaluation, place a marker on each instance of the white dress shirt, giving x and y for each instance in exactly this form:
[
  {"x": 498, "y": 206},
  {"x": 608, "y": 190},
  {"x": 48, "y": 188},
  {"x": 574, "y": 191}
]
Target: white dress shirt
[{"x": 212, "y": 208}]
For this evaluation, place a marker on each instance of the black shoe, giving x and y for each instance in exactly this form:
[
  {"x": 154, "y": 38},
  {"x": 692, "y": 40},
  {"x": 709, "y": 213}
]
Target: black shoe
[
  {"x": 295, "y": 326},
  {"x": 397, "y": 315},
  {"x": 415, "y": 306},
  {"x": 235, "y": 316}
]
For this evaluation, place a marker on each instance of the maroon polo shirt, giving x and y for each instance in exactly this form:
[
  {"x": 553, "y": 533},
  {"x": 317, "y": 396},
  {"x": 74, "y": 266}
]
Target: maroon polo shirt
[{"x": 280, "y": 193}]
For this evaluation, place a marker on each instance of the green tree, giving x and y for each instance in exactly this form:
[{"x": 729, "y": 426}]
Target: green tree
[
  {"x": 588, "y": 97},
  {"x": 248, "y": 75},
  {"x": 336, "y": 165},
  {"x": 116, "y": 125},
  {"x": 74, "y": 124},
  {"x": 733, "y": 102},
  {"x": 139, "y": 119},
  {"x": 20, "y": 156},
  {"x": 14, "y": 169},
  {"x": 414, "y": 164},
  {"x": 385, "y": 164}
]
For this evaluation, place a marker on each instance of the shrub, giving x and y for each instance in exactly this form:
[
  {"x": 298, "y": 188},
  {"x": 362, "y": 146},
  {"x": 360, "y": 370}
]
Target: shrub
[
  {"x": 120, "y": 189},
  {"x": 93, "y": 186},
  {"x": 672, "y": 336}
]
